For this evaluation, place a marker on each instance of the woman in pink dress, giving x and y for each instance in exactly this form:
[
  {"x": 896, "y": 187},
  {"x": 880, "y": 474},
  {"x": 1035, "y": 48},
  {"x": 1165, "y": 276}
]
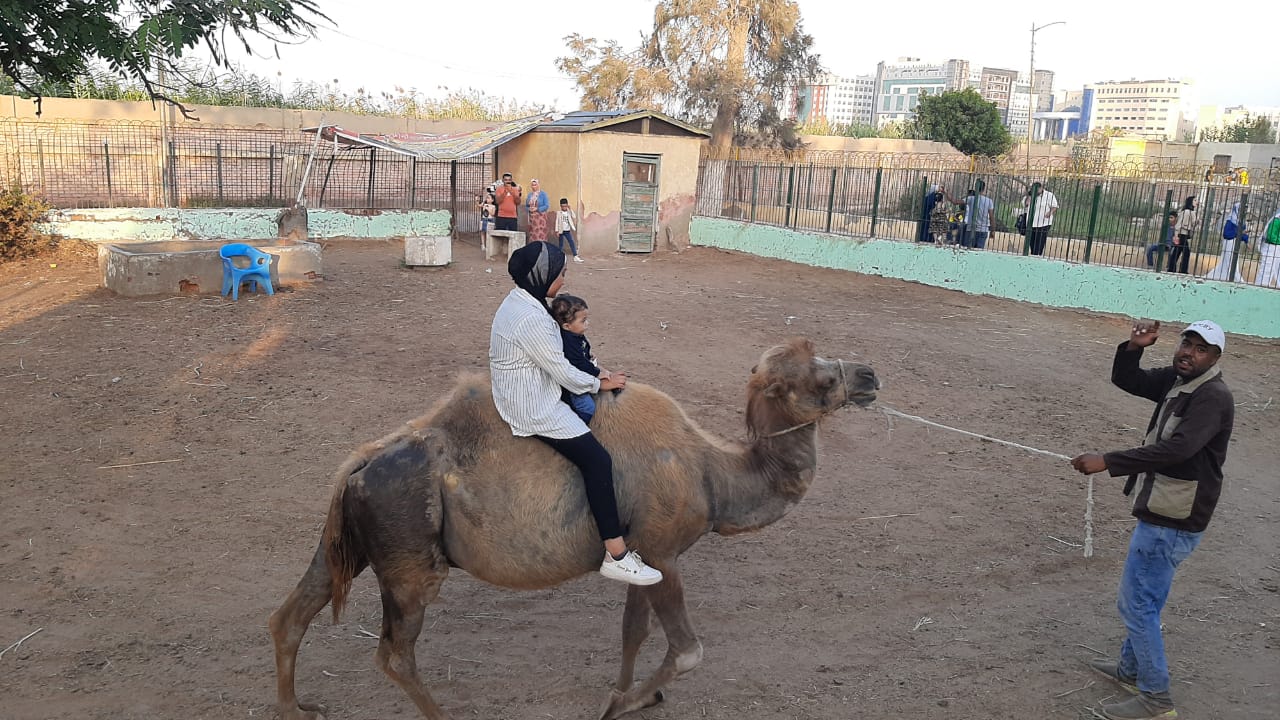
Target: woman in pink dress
[{"x": 537, "y": 205}]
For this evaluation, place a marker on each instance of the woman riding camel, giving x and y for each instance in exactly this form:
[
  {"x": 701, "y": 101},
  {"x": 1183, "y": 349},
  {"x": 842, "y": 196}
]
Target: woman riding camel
[{"x": 528, "y": 370}]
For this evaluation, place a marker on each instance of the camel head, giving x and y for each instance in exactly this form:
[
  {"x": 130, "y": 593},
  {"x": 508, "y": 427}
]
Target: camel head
[{"x": 790, "y": 387}]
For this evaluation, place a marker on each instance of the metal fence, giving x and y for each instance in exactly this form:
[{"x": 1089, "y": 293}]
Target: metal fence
[
  {"x": 1101, "y": 219},
  {"x": 82, "y": 164}
]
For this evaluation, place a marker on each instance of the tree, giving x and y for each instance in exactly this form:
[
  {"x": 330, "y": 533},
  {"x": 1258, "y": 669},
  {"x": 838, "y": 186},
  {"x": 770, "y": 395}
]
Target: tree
[
  {"x": 709, "y": 62},
  {"x": 972, "y": 125},
  {"x": 1247, "y": 129},
  {"x": 56, "y": 41}
]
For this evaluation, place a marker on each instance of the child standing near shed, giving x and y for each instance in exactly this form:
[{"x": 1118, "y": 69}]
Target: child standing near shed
[{"x": 565, "y": 227}]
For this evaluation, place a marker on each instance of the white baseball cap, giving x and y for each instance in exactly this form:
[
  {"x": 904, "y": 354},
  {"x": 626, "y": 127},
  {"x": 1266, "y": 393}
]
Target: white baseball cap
[{"x": 1210, "y": 331}]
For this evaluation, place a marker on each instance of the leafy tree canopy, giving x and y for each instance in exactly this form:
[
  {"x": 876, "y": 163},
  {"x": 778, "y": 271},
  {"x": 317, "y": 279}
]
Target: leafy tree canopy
[
  {"x": 1248, "y": 129},
  {"x": 972, "y": 125},
  {"x": 720, "y": 63},
  {"x": 56, "y": 41}
]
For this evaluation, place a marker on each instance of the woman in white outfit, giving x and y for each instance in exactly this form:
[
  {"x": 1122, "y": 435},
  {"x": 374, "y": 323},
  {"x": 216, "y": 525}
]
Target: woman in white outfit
[{"x": 1222, "y": 271}]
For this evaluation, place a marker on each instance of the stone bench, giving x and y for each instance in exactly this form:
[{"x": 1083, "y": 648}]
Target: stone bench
[{"x": 502, "y": 242}]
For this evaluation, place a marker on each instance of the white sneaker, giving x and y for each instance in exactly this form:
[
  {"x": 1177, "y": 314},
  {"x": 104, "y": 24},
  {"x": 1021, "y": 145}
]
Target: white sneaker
[
  {"x": 577, "y": 259},
  {"x": 630, "y": 569}
]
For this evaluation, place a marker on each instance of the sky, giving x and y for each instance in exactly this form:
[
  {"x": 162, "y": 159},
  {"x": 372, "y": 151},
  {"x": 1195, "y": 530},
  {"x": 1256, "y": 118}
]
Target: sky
[{"x": 509, "y": 50}]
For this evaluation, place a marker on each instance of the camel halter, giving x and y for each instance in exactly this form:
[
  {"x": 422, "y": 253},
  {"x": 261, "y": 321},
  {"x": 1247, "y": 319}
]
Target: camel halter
[{"x": 844, "y": 385}]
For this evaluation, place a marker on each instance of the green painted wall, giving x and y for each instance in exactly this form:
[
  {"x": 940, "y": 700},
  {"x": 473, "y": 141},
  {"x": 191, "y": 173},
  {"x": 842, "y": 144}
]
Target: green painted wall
[
  {"x": 1243, "y": 309},
  {"x": 117, "y": 225}
]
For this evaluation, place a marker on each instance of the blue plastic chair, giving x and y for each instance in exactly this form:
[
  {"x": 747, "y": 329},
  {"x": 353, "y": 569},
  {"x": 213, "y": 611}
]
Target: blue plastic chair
[{"x": 257, "y": 273}]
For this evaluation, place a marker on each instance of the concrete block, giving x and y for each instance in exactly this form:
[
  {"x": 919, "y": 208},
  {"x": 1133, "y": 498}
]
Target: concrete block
[
  {"x": 193, "y": 266},
  {"x": 503, "y": 243},
  {"x": 433, "y": 250}
]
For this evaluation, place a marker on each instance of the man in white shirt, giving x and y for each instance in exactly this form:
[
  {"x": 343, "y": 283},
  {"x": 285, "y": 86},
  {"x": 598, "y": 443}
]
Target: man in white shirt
[{"x": 1046, "y": 204}]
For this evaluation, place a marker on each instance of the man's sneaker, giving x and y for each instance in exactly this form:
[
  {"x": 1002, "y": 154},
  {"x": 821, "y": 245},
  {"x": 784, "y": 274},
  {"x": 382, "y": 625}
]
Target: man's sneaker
[
  {"x": 1111, "y": 669},
  {"x": 578, "y": 259},
  {"x": 630, "y": 569},
  {"x": 1143, "y": 706}
]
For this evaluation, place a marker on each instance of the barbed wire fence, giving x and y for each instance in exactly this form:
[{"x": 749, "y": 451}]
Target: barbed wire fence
[{"x": 1111, "y": 212}]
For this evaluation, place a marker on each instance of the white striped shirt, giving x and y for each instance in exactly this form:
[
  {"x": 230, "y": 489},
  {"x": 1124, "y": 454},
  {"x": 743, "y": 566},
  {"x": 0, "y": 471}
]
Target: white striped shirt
[{"x": 528, "y": 368}]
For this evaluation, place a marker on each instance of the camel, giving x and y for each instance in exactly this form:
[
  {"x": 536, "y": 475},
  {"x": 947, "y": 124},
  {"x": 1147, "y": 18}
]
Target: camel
[{"x": 454, "y": 488}]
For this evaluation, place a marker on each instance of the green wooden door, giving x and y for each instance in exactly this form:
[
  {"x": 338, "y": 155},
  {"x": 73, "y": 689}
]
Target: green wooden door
[{"x": 639, "y": 202}]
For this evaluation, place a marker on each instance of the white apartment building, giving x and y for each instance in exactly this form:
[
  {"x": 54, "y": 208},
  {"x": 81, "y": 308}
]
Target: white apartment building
[
  {"x": 1155, "y": 109},
  {"x": 838, "y": 100}
]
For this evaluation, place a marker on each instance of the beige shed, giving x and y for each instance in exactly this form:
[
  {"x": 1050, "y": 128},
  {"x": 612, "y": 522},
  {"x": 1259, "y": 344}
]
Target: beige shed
[{"x": 629, "y": 176}]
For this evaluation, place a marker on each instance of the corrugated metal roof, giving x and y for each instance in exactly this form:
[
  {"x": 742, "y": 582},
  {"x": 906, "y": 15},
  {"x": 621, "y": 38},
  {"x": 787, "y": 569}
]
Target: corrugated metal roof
[{"x": 586, "y": 121}]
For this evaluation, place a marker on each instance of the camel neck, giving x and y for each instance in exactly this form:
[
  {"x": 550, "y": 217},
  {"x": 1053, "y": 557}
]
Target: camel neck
[{"x": 764, "y": 482}]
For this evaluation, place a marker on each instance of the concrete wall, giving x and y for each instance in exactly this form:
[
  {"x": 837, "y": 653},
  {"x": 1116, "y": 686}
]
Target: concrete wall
[
  {"x": 116, "y": 225},
  {"x": 601, "y": 154},
  {"x": 1242, "y": 154},
  {"x": 1243, "y": 309},
  {"x": 75, "y": 109}
]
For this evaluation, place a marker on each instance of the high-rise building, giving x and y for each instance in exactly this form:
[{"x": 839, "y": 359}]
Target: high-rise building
[
  {"x": 995, "y": 85},
  {"x": 898, "y": 86},
  {"x": 837, "y": 100},
  {"x": 1156, "y": 109},
  {"x": 1042, "y": 86},
  {"x": 1213, "y": 116}
]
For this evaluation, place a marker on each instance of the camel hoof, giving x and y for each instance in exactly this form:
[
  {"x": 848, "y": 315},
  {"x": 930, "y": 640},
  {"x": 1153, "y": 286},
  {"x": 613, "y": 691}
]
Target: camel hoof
[
  {"x": 609, "y": 711},
  {"x": 305, "y": 711},
  {"x": 619, "y": 703}
]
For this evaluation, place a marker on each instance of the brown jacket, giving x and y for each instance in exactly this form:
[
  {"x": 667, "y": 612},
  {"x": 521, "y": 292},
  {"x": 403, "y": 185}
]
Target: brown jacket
[{"x": 1180, "y": 466}]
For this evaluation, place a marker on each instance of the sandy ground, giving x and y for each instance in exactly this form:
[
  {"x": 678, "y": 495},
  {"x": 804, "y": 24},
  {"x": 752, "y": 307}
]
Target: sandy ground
[{"x": 926, "y": 575}]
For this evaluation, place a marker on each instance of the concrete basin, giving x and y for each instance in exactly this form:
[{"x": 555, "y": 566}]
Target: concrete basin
[{"x": 194, "y": 266}]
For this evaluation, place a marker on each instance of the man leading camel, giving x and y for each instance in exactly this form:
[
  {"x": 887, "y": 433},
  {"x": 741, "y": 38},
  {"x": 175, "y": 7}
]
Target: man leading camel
[{"x": 1178, "y": 472}]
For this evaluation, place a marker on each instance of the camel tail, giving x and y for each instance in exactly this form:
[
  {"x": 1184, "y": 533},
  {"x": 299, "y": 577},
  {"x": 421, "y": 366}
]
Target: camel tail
[{"x": 342, "y": 552}]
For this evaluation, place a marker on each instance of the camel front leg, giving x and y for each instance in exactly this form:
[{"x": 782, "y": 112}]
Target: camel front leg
[
  {"x": 288, "y": 626},
  {"x": 684, "y": 651},
  {"x": 636, "y": 624}
]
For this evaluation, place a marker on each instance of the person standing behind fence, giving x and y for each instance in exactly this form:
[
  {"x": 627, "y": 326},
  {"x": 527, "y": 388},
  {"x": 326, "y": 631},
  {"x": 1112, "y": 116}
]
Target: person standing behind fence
[
  {"x": 508, "y": 196},
  {"x": 977, "y": 219},
  {"x": 1231, "y": 234},
  {"x": 537, "y": 204},
  {"x": 1269, "y": 253},
  {"x": 1188, "y": 222},
  {"x": 1046, "y": 205}
]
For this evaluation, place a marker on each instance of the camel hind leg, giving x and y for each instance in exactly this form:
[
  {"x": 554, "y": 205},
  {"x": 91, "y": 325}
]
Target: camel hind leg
[
  {"x": 406, "y": 593},
  {"x": 288, "y": 626},
  {"x": 684, "y": 651}
]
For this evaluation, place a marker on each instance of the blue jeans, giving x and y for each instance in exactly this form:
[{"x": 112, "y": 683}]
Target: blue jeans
[
  {"x": 976, "y": 239},
  {"x": 1152, "y": 249},
  {"x": 566, "y": 235},
  {"x": 1154, "y": 553},
  {"x": 584, "y": 405}
]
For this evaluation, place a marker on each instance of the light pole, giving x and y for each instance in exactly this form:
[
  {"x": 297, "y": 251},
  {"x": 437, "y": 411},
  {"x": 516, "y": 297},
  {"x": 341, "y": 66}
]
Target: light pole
[{"x": 1031, "y": 86}]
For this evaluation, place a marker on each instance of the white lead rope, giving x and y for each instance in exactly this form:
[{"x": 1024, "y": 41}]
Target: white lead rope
[{"x": 1088, "y": 511}]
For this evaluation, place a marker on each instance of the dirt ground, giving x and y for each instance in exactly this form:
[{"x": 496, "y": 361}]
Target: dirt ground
[{"x": 926, "y": 575}]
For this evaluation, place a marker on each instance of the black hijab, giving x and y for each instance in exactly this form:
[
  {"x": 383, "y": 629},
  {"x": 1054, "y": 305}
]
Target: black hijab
[{"x": 535, "y": 267}]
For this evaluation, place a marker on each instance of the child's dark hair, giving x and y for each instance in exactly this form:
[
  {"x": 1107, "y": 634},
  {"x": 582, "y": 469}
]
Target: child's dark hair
[
  {"x": 564, "y": 308},
  {"x": 564, "y": 201}
]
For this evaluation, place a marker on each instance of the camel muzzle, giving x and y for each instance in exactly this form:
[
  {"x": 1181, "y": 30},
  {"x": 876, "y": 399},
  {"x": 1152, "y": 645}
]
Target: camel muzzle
[{"x": 860, "y": 383}]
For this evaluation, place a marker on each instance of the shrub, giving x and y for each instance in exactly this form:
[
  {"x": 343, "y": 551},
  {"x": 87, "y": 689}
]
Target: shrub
[{"x": 20, "y": 214}]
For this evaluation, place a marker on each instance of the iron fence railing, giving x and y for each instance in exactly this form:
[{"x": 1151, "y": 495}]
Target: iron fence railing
[
  {"x": 83, "y": 164},
  {"x": 1101, "y": 219}
]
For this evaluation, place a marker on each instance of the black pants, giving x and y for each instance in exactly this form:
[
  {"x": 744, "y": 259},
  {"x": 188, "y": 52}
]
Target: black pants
[
  {"x": 504, "y": 223},
  {"x": 1180, "y": 256},
  {"x": 1039, "y": 236},
  {"x": 597, "y": 474}
]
